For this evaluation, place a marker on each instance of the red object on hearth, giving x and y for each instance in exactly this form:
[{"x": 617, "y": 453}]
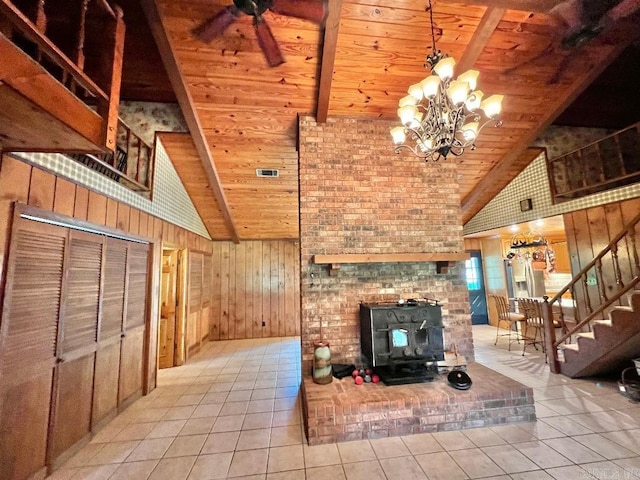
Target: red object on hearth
[
  {"x": 375, "y": 379},
  {"x": 359, "y": 380},
  {"x": 355, "y": 373}
]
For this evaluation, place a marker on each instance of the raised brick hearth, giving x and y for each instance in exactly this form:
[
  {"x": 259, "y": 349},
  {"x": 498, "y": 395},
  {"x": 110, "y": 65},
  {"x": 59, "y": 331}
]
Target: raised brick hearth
[{"x": 343, "y": 411}]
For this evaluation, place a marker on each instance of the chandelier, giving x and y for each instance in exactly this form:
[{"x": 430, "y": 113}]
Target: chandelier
[{"x": 441, "y": 115}]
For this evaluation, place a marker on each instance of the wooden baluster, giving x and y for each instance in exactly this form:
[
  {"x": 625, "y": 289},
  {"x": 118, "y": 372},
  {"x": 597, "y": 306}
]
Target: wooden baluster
[
  {"x": 576, "y": 310},
  {"x": 78, "y": 54},
  {"x": 634, "y": 246},
  {"x": 138, "y": 160},
  {"x": 6, "y": 28},
  {"x": 126, "y": 171},
  {"x": 151, "y": 159},
  {"x": 587, "y": 297},
  {"x": 116, "y": 159},
  {"x": 616, "y": 266},
  {"x": 600, "y": 279},
  {"x": 40, "y": 17}
]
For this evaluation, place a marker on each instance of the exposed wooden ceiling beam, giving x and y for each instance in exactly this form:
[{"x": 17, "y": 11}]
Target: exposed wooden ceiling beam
[
  {"x": 486, "y": 27},
  {"x": 540, "y": 6},
  {"x": 188, "y": 110},
  {"x": 332, "y": 26}
]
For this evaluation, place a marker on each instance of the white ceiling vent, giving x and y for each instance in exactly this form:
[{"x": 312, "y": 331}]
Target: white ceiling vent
[{"x": 267, "y": 172}]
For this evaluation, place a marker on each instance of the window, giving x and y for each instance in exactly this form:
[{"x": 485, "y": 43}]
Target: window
[{"x": 472, "y": 268}]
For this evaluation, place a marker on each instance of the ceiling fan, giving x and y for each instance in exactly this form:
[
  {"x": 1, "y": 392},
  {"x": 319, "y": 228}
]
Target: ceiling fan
[
  {"x": 579, "y": 22},
  {"x": 585, "y": 19},
  {"x": 312, "y": 10}
]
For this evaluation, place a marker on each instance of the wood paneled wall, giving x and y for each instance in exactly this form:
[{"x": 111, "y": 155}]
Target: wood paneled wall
[
  {"x": 256, "y": 290},
  {"x": 589, "y": 231},
  {"x": 20, "y": 182}
]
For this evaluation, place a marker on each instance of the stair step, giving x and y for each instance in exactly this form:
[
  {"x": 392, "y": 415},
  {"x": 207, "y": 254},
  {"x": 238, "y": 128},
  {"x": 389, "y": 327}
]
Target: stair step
[
  {"x": 634, "y": 301},
  {"x": 605, "y": 323},
  {"x": 570, "y": 346},
  {"x": 623, "y": 308},
  {"x": 590, "y": 335}
]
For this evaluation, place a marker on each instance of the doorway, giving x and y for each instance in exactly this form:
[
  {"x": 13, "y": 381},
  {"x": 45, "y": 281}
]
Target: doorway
[
  {"x": 475, "y": 284},
  {"x": 171, "y": 327}
]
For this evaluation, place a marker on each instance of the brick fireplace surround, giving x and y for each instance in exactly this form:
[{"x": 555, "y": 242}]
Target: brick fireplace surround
[{"x": 358, "y": 197}]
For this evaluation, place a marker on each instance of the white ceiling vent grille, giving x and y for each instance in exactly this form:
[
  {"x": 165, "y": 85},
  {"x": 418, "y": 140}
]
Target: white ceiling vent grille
[{"x": 267, "y": 172}]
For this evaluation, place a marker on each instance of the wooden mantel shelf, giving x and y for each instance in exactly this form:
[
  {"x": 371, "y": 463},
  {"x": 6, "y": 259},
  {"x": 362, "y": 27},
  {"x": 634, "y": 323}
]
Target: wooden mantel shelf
[{"x": 443, "y": 260}]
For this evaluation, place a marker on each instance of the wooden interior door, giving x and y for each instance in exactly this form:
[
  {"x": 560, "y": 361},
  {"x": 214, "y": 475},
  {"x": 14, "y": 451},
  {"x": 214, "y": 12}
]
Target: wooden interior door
[
  {"x": 168, "y": 299},
  {"x": 195, "y": 302},
  {"x": 73, "y": 378},
  {"x": 28, "y": 342},
  {"x": 180, "y": 353},
  {"x": 132, "y": 352}
]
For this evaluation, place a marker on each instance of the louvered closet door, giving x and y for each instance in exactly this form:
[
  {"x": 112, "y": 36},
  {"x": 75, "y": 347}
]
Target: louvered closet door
[
  {"x": 195, "y": 301},
  {"x": 132, "y": 354},
  {"x": 105, "y": 397},
  {"x": 28, "y": 345},
  {"x": 73, "y": 380}
]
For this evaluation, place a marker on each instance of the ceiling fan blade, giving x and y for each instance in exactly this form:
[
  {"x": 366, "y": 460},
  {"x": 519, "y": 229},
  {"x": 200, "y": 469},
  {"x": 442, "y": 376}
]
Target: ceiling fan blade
[
  {"x": 216, "y": 25},
  {"x": 621, "y": 10},
  {"x": 268, "y": 43},
  {"x": 557, "y": 76},
  {"x": 312, "y": 10}
]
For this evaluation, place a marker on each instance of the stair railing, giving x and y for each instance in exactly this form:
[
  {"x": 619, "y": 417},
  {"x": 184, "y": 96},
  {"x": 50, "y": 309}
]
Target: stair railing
[{"x": 579, "y": 287}]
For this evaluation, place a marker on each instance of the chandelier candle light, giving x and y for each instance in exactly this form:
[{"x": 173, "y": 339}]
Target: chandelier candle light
[{"x": 442, "y": 115}]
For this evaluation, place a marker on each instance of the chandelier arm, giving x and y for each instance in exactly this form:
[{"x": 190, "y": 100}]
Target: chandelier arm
[{"x": 414, "y": 150}]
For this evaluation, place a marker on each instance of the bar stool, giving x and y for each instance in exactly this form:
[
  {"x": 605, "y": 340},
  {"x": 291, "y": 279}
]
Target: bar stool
[
  {"x": 534, "y": 322},
  {"x": 509, "y": 318}
]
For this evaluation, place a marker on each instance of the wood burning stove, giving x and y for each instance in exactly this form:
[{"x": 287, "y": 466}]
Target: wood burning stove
[{"x": 402, "y": 341}]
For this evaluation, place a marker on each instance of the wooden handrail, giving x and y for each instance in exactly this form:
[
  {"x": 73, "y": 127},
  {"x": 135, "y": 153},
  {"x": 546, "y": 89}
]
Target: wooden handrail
[
  {"x": 551, "y": 343},
  {"x": 593, "y": 262},
  {"x": 583, "y": 147},
  {"x": 599, "y": 184},
  {"x": 31, "y": 31},
  {"x": 610, "y": 158}
]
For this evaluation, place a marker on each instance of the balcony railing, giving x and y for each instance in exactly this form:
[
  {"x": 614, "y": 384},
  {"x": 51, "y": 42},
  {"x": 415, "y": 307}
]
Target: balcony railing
[
  {"x": 131, "y": 164},
  {"x": 64, "y": 57},
  {"x": 611, "y": 162}
]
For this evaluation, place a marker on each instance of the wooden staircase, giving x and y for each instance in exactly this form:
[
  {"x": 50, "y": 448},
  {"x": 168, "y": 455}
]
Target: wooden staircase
[
  {"x": 607, "y": 290},
  {"x": 609, "y": 346}
]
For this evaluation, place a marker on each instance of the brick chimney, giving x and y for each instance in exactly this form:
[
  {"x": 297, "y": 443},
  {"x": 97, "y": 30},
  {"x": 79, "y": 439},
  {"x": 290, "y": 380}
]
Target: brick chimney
[{"x": 358, "y": 197}]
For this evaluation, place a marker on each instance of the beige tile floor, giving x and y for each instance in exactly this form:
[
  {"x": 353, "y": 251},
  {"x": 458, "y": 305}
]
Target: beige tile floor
[{"x": 234, "y": 412}]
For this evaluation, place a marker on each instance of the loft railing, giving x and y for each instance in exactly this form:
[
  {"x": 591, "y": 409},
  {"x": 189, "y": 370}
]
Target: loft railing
[
  {"x": 79, "y": 43},
  {"x": 595, "y": 289},
  {"x": 611, "y": 162},
  {"x": 131, "y": 164}
]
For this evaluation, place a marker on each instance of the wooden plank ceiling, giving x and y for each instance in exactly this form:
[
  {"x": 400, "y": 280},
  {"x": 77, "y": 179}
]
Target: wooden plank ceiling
[{"x": 243, "y": 115}]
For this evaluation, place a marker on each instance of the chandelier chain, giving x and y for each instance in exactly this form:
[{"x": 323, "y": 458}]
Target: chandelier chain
[{"x": 433, "y": 34}]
